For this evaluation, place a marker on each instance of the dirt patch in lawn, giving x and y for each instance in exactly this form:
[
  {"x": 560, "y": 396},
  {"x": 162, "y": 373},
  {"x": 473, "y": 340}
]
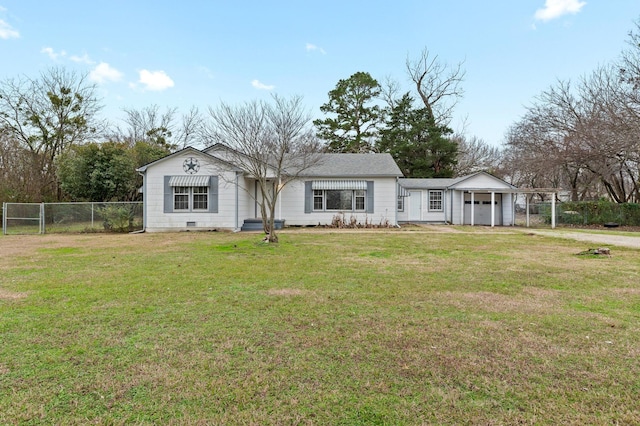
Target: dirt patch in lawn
[
  {"x": 531, "y": 300},
  {"x": 11, "y": 295},
  {"x": 286, "y": 292}
]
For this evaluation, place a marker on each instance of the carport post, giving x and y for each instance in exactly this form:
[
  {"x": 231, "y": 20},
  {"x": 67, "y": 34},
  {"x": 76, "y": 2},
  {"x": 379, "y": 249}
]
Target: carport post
[
  {"x": 472, "y": 205},
  {"x": 493, "y": 209},
  {"x": 526, "y": 197}
]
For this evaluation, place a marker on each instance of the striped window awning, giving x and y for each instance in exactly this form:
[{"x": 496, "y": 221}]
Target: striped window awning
[
  {"x": 189, "y": 180},
  {"x": 339, "y": 184}
]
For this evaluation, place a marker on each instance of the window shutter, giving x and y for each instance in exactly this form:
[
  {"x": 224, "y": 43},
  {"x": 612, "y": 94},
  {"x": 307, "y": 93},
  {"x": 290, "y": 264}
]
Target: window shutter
[
  {"x": 168, "y": 195},
  {"x": 213, "y": 194},
  {"x": 308, "y": 197},
  {"x": 369, "y": 196}
]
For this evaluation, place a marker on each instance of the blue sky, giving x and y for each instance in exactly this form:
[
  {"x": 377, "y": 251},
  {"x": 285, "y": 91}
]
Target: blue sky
[{"x": 179, "y": 54}]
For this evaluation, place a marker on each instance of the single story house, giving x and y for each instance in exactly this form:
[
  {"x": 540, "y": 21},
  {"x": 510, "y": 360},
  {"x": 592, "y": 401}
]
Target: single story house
[
  {"x": 205, "y": 189},
  {"x": 476, "y": 199}
]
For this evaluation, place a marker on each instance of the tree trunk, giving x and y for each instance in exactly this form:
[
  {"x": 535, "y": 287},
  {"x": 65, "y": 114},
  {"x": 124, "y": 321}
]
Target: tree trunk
[{"x": 273, "y": 237}]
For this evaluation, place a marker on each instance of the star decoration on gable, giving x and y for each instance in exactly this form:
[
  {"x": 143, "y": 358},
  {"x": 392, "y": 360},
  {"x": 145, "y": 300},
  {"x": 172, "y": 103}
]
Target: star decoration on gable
[{"x": 191, "y": 165}]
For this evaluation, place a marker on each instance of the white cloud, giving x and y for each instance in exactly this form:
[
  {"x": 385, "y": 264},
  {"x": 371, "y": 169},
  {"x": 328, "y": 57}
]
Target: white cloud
[
  {"x": 104, "y": 72},
  {"x": 261, "y": 86},
  {"x": 52, "y": 53},
  {"x": 155, "y": 80},
  {"x": 556, "y": 8},
  {"x": 7, "y": 31},
  {"x": 85, "y": 59},
  {"x": 311, "y": 47}
]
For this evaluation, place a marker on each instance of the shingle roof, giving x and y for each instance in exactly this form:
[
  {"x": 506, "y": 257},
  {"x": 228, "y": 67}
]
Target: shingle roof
[
  {"x": 338, "y": 165},
  {"x": 443, "y": 183},
  {"x": 427, "y": 183}
]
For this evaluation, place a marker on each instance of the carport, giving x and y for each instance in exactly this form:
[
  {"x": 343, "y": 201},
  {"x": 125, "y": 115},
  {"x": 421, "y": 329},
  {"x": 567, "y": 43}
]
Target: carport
[
  {"x": 549, "y": 191},
  {"x": 482, "y": 207}
]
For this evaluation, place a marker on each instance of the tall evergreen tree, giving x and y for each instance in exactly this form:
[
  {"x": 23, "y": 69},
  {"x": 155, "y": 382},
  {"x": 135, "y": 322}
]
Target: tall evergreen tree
[
  {"x": 419, "y": 145},
  {"x": 356, "y": 117}
]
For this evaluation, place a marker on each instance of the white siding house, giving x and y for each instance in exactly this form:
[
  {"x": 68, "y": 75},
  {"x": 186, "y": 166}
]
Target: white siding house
[
  {"x": 203, "y": 189},
  {"x": 476, "y": 199}
]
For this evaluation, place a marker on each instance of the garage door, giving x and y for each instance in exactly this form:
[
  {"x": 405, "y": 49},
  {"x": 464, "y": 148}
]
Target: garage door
[{"x": 482, "y": 209}]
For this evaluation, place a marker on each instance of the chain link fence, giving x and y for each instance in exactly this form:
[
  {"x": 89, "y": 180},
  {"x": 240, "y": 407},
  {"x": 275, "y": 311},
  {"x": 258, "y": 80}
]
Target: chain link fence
[
  {"x": 40, "y": 218},
  {"x": 591, "y": 213}
]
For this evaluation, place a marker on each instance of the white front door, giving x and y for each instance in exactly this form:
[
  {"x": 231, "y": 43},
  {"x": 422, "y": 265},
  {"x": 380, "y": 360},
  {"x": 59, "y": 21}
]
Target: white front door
[{"x": 415, "y": 205}]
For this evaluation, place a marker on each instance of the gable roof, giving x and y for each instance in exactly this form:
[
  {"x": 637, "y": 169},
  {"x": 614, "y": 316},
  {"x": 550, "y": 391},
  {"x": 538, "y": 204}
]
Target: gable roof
[
  {"x": 183, "y": 151},
  {"x": 426, "y": 183},
  {"x": 464, "y": 179},
  {"x": 329, "y": 165},
  {"x": 374, "y": 165},
  {"x": 451, "y": 183}
]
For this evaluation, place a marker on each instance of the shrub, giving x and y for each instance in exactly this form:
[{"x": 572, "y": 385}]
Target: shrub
[
  {"x": 118, "y": 218},
  {"x": 594, "y": 213},
  {"x": 340, "y": 221}
]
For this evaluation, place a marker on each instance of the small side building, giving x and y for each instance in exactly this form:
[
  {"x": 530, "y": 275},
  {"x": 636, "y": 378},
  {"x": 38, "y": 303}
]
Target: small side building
[{"x": 476, "y": 199}]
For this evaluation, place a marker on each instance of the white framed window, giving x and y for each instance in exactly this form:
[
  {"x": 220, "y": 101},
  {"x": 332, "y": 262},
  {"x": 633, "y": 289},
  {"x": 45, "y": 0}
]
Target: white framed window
[
  {"x": 435, "y": 201},
  {"x": 180, "y": 198},
  {"x": 360, "y": 197},
  {"x": 318, "y": 199},
  {"x": 339, "y": 200},
  {"x": 188, "y": 198},
  {"x": 400, "y": 203},
  {"x": 200, "y": 197}
]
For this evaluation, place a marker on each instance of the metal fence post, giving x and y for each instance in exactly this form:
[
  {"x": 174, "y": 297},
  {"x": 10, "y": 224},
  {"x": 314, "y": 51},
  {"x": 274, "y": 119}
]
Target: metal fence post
[{"x": 42, "y": 226}]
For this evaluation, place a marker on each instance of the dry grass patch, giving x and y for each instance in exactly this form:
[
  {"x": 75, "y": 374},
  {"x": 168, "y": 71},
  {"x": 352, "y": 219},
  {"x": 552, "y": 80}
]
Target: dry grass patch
[
  {"x": 11, "y": 295},
  {"x": 530, "y": 301},
  {"x": 287, "y": 292}
]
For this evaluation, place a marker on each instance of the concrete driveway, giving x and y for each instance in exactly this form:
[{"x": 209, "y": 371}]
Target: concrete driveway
[{"x": 596, "y": 238}]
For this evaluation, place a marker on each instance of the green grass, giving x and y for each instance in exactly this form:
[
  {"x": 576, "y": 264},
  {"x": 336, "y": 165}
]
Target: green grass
[{"x": 353, "y": 328}]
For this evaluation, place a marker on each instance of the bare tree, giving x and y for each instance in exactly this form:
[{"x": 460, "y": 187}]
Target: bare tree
[
  {"x": 273, "y": 143},
  {"x": 584, "y": 136},
  {"x": 46, "y": 116},
  {"x": 584, "y": 132},
  {"x": 16, "y": 175},
  {"x": 629, "y": 66},
  {"x": 474, "y": 155},
  {"x": 188, "y": 131},
  {"x": 149, "y": 124},
  {"x": 439, "y": 85},
  {"x": 529, "y": 160},
  {"x": 390, "y": 91}
]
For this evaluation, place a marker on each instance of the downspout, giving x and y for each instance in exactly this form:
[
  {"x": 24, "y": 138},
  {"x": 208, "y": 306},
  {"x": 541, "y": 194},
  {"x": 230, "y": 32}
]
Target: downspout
[
  {"x": 237, "y": 203},
  {"x": 444, "y": 204},
  {"x": 396, "y": 203},
  {"x": 451, "y": 197}
]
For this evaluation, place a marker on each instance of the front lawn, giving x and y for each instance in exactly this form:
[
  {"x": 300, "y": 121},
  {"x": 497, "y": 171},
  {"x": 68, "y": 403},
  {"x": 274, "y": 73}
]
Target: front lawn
[{"x": 378, "y": 327}]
